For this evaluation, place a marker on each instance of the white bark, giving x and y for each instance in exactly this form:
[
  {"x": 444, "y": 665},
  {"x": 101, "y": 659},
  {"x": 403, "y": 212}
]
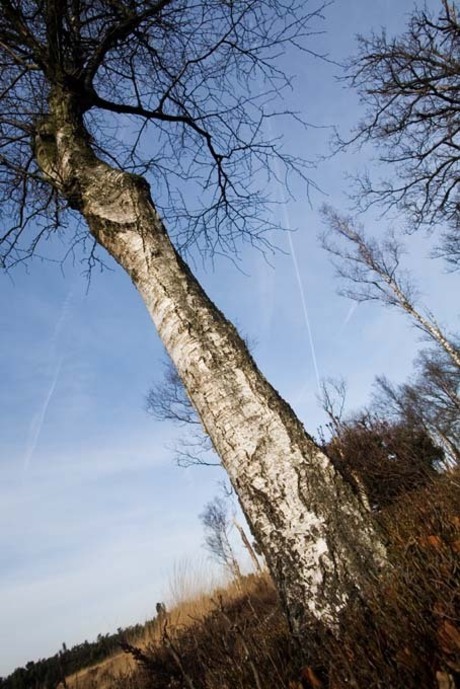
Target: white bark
[
  {"x": 427, "y": 325},
  {"x": 317, "y": 538}
]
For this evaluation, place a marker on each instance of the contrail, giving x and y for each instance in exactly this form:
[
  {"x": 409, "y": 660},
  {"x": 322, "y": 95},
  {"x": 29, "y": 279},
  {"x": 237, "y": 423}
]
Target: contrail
[
  {"x": 304, "y": 306},
  {"x": 37, "y": 424},
  {"x": 62, "y": 316},
  {"x": 292, "y": 251},
  {"x": 40, "y": 418},
  {"x": 350, "y": 313}
]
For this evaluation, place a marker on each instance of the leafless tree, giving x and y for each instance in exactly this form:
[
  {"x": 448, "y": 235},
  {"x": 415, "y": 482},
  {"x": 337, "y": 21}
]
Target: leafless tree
[
  {"x": 370, "y": 270},
  {"x": 218, "y": 523},
  {"x": 103, "y": 101},
  {"x": 410, "y": 86},
  {"x": 431, "y": 401},
  {"x": 332, "y": 397}
]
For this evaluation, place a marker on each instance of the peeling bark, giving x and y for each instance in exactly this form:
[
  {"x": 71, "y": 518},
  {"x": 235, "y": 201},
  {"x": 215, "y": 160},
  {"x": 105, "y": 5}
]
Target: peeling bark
[{"x": 317, "y": 537}]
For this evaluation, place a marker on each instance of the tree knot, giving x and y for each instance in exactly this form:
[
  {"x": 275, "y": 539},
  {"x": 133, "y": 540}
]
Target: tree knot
[{"x": 44, "y": 145}]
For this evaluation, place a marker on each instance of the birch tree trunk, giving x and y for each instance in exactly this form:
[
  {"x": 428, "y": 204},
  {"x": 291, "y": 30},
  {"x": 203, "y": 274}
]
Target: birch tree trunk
[
  {"x": 318, "y": 540},
  {"x": 426, "y": 325}
]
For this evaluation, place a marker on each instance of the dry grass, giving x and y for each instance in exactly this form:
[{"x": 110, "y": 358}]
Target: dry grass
[
  {"x": 102, "y": 675},
  {"x": 191, "y": 598},
  {"x": 243, "y": 641},
  {"x": 406, "y": 635}
]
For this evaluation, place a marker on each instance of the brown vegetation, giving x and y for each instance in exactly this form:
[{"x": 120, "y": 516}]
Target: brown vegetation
[
  {"x": 407, "y": 634},
  {"x": 191, "y": 600}
]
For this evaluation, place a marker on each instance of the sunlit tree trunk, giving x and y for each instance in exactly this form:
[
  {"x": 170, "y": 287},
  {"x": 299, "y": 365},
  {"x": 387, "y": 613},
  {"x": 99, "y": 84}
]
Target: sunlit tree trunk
[{"x": 317, "y": 538}]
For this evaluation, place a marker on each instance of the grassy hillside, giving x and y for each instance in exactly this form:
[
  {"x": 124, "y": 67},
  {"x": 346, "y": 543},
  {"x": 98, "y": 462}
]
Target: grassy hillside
[{"x": 188, "y": 617}]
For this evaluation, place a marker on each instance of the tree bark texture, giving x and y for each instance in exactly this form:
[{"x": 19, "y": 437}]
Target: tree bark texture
[{"x": 318, "y": 539}]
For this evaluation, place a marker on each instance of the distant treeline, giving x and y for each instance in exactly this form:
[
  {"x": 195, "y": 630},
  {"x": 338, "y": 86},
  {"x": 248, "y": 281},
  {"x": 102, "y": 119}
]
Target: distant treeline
[{"x": 49, "y": 672}]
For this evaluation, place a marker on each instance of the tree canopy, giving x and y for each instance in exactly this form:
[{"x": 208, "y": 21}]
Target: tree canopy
[
  {"x": 410, "y": 86},
  {"x": 173, "y": 89}
]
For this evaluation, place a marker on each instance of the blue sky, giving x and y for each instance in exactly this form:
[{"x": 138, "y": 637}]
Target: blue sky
[{"x": 94, "y": 513}]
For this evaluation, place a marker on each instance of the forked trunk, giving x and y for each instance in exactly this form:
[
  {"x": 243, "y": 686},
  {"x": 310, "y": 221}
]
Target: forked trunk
[{"x": 318, "y": 540}]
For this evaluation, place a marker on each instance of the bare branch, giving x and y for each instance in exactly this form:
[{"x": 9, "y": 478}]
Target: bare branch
[
  {"x": 168, "y": 401},
  {"x": 191, "y": 86},
  {"x": 332, "y": 399},
  {"x": 410, "y": 86}
]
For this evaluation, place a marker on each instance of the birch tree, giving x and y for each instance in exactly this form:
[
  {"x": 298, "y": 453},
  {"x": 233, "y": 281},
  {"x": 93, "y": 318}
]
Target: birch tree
[
  {"x": 105, "y": 104},
  {"x": 370, "y": 270}
]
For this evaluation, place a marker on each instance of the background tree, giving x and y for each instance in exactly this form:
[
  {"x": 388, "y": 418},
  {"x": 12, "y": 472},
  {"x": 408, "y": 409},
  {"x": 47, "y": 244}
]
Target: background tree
[
  {"x": 183, "y": 74},
  {"x": 371, "y": 271},
  {"x": 217, "y": 523},
  {"x": 410, "y": 86},
  {"x": 389, "y": 458},
  {"x": 384, "y": 454},
  {"x": 431, "y": 401},
  {"x": 167, "y": 400}
]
